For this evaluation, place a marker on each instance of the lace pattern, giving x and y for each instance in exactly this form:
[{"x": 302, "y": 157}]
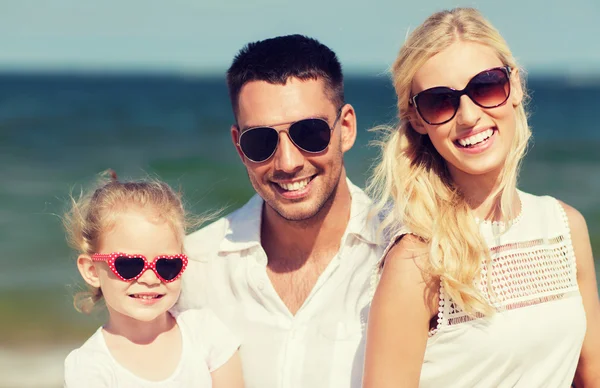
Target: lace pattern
[{"x": 522, "y": 274}]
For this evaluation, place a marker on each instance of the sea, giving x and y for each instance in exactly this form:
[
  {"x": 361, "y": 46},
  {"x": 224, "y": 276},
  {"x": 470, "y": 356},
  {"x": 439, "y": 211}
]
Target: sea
[{"x": 58, "y": 131}]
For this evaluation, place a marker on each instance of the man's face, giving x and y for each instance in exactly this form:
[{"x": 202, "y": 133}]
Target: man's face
[{"x": 295, "y": 184}]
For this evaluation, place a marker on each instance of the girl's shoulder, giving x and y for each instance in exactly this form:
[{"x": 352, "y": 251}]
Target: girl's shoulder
[
  {"x": 89, "y": 364},
  {"x": 201, "y": 326},
  {"x": 201, "y": 317},
  {"x": 205, "y": 332}
]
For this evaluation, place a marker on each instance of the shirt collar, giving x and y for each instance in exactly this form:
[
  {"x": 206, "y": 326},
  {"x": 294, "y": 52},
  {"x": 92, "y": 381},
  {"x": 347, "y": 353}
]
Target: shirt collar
[
  {"x": 363, "y": 223},
  {"x": 243, "y": 226}
]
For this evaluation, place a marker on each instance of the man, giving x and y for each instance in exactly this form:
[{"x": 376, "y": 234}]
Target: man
[{"x": 289, "y": 271}]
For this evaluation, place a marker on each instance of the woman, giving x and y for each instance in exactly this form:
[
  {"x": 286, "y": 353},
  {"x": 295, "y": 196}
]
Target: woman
[{"x": 482, "y": 284}]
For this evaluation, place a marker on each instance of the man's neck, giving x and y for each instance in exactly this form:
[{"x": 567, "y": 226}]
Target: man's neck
[
  {"x": 299, "y": 252},
  {"x": 316, "y": 236}
]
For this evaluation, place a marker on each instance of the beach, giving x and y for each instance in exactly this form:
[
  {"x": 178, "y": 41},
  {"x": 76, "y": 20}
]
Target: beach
[
  {"x": 33, "y": 367},
  {"x": 57, "y": 132}
]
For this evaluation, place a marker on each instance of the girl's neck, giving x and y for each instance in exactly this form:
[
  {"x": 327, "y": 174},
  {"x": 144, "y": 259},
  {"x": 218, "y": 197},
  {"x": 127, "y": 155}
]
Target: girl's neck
[{"x": 137, "y": 331}]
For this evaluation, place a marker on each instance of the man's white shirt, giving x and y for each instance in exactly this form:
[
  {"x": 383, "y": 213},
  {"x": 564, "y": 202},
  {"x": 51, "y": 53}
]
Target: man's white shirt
[{"x": 322, "y": 345}]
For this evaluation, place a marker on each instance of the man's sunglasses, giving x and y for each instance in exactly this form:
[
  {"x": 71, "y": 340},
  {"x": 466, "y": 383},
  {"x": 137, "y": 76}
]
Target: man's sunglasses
[
  {"x": 310, "y": 135},
  {"x": 488, "y": 89},
  {"x": 130, "y": 267}
]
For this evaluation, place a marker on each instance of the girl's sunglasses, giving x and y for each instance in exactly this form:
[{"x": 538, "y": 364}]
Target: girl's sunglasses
[
  {"x": 310, "y": 135},
  {"x": 488, "y": 89},
  {"x": 130, "y": 267}
]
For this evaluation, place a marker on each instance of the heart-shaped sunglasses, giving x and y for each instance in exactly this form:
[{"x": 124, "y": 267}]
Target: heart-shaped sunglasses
[{"x": 129, "y": 267}]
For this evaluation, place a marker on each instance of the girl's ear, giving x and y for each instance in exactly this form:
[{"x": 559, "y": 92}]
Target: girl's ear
[{"x": 87, "y": 269}]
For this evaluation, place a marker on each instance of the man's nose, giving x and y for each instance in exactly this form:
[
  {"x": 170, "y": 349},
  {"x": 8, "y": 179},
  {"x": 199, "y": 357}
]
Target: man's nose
[{"x": 288, "y": 158}]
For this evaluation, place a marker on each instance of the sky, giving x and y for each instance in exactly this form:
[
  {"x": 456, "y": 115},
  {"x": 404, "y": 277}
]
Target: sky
[{"x": 202, "y": 36}]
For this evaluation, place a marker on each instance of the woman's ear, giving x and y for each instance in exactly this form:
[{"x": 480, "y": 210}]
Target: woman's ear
[
  {"x": 516, "y": 93},
  {"x": 415, "y": 120},
  {"x": 87, "y": 269}
]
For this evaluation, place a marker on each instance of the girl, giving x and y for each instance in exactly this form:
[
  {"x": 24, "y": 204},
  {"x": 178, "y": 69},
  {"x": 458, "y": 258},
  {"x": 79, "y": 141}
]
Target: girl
[
  {"x": 130, "y": 239},
  {"x": 483, "y": 285}
]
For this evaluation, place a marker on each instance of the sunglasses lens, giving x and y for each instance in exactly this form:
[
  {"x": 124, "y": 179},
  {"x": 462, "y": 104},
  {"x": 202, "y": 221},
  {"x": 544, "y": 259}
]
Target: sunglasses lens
[
  {"x": 258, "y": 144},
  {"x": 312, "y": 135},
  {"x": 437, "y": 105},
  {"x": 490, "y": 88},
  {"x": 168, "y": 269},
  {"x": 487, "y": 89},
  {"x": 129, "y": 267}
]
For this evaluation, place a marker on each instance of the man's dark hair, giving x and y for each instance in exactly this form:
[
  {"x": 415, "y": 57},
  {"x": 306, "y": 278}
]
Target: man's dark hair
[{"x": 277, "y": 59}]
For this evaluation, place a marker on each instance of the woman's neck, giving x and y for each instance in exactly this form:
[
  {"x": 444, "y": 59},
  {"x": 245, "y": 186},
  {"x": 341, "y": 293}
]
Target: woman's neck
[{"x": 481, "y": 193}]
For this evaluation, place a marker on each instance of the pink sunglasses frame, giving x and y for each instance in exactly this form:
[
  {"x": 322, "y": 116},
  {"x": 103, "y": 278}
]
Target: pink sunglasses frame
[{"x": 110, "y": 258}]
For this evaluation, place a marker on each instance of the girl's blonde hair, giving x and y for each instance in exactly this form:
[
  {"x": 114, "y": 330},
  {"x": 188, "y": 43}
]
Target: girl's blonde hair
[
  {"x": 413, "y": 176},
  {"x": 93, "y": 213}
]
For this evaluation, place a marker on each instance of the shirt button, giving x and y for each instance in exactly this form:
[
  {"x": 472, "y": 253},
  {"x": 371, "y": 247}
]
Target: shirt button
[{"x": 261, "y": 286}]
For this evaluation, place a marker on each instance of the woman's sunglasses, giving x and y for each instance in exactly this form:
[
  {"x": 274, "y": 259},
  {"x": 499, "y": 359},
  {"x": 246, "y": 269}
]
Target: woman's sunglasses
[
  {"x": 310, "y": 135},
  {"x": 130, "y": 267},
  {"x": 488, "y": 89}
]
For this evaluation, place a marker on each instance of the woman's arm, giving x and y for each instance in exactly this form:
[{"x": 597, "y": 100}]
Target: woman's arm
[
  {"x": 588, "y": 369},
  {"x": 404, "y": 302},
  {"x": 229, "y": 375}
]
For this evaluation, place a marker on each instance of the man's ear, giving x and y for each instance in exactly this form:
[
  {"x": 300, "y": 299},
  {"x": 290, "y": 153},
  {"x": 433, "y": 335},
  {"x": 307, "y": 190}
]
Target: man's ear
[
  {"x": 516, "y": 90},
  {"x": 87, "y": 269},
  {"x": 235, "y": 137},
  {"x": 415, "y": 120},
  {"x": 347, "y": 124}
]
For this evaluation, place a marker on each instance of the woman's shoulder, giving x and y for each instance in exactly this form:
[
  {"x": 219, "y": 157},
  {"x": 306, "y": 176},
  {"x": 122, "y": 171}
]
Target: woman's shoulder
[
  {"x": 548, "y": 202},
  {"x": 577, "y": 227},
  {"x": 576, "y": 219},
  {"x": 543, "y": 207},
  {"x": 530, "y": 199}
]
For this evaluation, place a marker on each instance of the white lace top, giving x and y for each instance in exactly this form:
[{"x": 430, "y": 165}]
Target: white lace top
[{"x": 535, "y": 337}]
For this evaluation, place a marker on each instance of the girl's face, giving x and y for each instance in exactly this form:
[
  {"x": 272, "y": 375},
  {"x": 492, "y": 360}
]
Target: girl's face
[
  {"x": 136, "y": 231},
  {"x": 476, "y": 142}
]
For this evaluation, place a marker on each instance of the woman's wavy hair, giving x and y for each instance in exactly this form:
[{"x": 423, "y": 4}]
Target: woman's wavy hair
[
  {"x": 93, "y": 213},
  {"x": 412, "y": 182}
]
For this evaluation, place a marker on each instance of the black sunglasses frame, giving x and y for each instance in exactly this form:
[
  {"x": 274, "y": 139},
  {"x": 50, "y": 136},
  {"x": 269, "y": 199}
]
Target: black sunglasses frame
[
  {"x": 457, "y": 94},
  {"x": 331, "y": 128}
]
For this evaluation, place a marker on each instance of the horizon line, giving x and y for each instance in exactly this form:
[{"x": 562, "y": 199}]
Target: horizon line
[{"x": 220, "y": 73}]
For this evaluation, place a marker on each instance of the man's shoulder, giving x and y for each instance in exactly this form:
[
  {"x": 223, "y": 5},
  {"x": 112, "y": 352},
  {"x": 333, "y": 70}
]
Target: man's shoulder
[
  {"x": 209, "y": 238},
  {"x": 215, "y": 230}
]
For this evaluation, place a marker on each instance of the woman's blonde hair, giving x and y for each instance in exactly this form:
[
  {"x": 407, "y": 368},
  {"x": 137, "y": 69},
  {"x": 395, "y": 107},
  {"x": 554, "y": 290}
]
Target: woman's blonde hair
[
  {"x": 413, "y": 176},
  {"x": 93, "y": 213}
]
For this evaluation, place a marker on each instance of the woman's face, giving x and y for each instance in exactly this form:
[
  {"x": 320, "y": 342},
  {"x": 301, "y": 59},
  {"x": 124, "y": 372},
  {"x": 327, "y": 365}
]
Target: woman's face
[{"x": 476, "y": 142}]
